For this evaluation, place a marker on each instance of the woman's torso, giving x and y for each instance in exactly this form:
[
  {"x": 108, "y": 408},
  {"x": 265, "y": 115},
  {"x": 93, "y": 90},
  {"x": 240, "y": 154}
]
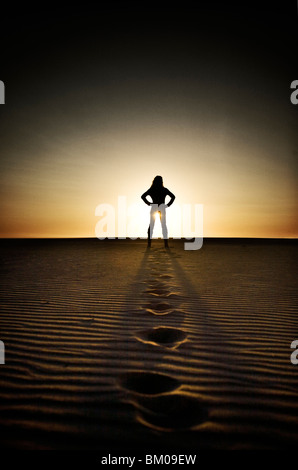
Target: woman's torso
[{"x": 158, "y": 195}]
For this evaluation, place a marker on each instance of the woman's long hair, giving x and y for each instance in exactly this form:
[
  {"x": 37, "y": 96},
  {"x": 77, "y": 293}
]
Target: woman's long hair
[{"x": 157, "y": 182}]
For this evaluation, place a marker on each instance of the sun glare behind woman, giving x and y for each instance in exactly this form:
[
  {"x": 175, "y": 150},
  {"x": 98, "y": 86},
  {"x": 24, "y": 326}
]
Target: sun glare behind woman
[{"x": 158, "y": 193}]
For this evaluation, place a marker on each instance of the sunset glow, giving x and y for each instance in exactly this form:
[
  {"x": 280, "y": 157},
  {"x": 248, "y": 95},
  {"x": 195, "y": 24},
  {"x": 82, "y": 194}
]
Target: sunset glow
[{"x": 90, "y": 127}]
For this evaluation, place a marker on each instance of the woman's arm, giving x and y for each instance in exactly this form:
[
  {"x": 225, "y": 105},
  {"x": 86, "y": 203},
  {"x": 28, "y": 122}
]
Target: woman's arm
[
  {"x": 144, "y": 196},
  {"x": 172, "y": 196}
]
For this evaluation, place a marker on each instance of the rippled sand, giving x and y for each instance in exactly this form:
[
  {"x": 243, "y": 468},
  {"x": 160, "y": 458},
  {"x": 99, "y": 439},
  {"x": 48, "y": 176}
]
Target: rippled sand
[{"x": 109, "y": 345}]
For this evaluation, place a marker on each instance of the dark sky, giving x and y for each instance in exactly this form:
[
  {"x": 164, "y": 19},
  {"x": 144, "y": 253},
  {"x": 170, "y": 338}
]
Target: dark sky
[{"x": 200, "y": 94}]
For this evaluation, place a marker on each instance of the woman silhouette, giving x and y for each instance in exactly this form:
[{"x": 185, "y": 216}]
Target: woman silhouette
[{"x": 158, "y": 193}]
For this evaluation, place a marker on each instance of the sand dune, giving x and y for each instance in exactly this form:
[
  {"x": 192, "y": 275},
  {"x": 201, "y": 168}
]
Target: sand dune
[{"x": 110, "y": 345}]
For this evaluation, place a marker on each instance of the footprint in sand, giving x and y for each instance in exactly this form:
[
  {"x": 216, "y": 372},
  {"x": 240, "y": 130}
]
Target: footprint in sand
[
  {"x": 165, "y": 276},
  {"x": 157, "y": 264},
  {"x": 155, "y": 274},
  {"x": 160, "y": 308},
  {"x": 157, "y": 292},
  {"x": 159, "y": 286},
  {"x": 162, "y": 293},
  {"x": 148, "y": 383},
  {"x": 171, "y": 412},
  {"x": 170, "y": 338},
  {"x": 173, "y": 295}
]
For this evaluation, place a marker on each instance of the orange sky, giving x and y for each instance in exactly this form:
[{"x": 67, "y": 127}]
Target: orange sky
[{"x": 243, "y": 193}]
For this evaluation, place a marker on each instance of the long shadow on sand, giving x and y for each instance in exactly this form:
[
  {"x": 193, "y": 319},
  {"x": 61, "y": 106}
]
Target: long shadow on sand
[
  {"x": 157, "y": 395},
  {"x": 181, "y": 333}
]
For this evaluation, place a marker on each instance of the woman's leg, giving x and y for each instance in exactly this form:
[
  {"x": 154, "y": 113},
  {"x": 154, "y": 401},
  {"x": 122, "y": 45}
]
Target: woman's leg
[
  {"x": 151, "y": 226},
  {"x": 163, "y": 222}
]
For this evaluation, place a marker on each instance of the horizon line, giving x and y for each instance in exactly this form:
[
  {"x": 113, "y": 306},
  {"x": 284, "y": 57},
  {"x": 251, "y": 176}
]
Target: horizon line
[{"x": 144, "y": 239}]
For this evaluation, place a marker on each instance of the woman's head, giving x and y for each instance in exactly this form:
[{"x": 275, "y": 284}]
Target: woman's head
[{"x": 157, "y": 182}]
